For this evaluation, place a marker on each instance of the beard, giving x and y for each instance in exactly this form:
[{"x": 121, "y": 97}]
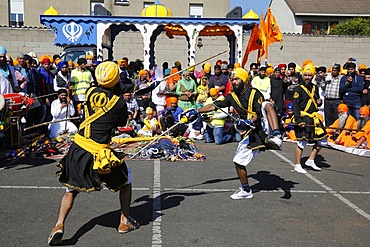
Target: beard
[
  {"x": 3, "y": 63},
  {"x": 361, "y": 122},
  {"x": 308, "y": 84},
  {"x": 238, "y": 89},
  {"x": 342, "y": 119}
]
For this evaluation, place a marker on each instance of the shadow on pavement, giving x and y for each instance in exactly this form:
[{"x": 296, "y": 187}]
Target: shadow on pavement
[
  {"x": 29, "y": 162},
  {"x": 269, "y": 182},
  {"x": 319, "y": 161},
  {"x": 142, "y": 213}
]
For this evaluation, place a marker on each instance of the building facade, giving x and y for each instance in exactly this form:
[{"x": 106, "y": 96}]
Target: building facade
[{"x": 27, "y": 12}]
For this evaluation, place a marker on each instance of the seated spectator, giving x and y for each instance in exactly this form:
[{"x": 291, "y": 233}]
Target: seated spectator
[
  {"x": 59, "y": 109},
  {"x": 288, "y": 123},
  {"x": 151, "y": 125},
  {"x": 170, "y": 117},
  {"x": 202, "y": 92},
  {"x": 362, "y": 138},
  {"x": 215, "y": 127},
  {"x": 345, "y": 120}
]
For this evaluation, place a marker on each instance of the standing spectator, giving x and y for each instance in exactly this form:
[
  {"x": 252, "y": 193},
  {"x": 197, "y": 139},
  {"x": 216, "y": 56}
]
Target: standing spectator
[
  {"x": 332, "y": 96},
  {"x": 277, "y": 91},
  {"x": 33, "y": 89},
  {"x": 158, "y": 97},
  {"x": 63, "y": 77},
  {"x": 292, "y": 80},
  {"x": 366, "y": 91},
  {"x": 319, "y": 81},
  {"x": 8, "y": 82},
  {"x": 186, "y": 89},
  {"x": 47, "y": 88},
  {"x": 202, "y": 91},
  {"x": 218, "y": 80},
  {"x": 81, "y": 80},
  {"x": 350, "y": 89}
]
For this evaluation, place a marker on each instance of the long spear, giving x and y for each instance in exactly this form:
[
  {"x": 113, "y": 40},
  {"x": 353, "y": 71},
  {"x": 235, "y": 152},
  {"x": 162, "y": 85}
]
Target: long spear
[{"x": 156, "y": 83}]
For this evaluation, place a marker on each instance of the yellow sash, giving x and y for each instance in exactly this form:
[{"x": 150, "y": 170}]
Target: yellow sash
[
  {"x": 249, "y": 112},
  {"x": 312, "y": 99},
  {"x": 104, "y": 158},
  {"x": 316, "y": 121}
]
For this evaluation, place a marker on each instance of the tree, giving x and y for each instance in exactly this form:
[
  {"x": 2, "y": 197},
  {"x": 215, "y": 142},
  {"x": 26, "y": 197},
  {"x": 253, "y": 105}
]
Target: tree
[{"x": 355, "y": 26}]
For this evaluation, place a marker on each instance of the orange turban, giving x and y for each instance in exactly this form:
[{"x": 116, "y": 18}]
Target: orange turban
[
  {"x": 269, "y": 70},
  {"x": 364, "y": 110},
  {"x": 141, "y": 72},
  {"x": 236, "y": 65},
  {"x": 342, "y": 107},
  {"x": 306, "y": 62},
  {"x": 173, "y": 100}
]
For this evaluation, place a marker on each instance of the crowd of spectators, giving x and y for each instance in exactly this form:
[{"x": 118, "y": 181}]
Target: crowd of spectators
[{"x": 59, "y": 88}]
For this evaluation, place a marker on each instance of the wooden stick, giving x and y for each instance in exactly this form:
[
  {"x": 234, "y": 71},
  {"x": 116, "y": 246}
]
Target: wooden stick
[
  {"x": 311, "y": 125},
  {"x": 51, "y": 122}
]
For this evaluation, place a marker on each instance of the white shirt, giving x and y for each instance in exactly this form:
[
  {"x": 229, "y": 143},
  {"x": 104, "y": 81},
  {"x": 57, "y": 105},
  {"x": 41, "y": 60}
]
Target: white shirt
[
  {"x": 5, "y": 86},
  {"x": 159, "y": 99},
  {"x": 58, "y": 113}
]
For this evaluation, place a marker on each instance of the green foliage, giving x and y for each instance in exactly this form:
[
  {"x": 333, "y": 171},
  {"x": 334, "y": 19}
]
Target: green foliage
[{"x": 355, "y": 26}]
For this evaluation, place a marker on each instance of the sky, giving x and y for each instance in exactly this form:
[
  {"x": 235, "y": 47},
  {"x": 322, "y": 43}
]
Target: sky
[{"x": 258, "y": 6}]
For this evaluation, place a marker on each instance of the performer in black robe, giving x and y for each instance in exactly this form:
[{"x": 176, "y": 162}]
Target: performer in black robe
[
  {"x": 310, "y": 128},
  {"x": 90, "y": 161}
]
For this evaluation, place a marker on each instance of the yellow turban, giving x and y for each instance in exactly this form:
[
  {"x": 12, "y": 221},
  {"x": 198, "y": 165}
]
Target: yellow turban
[
  {"x": 148, "y": 110},
  {"x": 89, "y": 56},
  {"x": 269, "y": 70},
  {"x": 308, "y": 68},
  {"x": 207, "y": 67},
  {"x": 107, "y": 74},
  {"x": 241, "y": 73},
  {"x": 213, "y": 91},
  {"x": 141, "y": 72},
  {"x": 192, "y": 68},
  {"x": 298, "y": 69}
]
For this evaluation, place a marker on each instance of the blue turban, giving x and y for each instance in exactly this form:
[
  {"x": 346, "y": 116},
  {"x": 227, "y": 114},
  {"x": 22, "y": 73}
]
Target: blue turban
[
  {"x": 2, "y": 50},
  {"x": 62, "y": 63}
]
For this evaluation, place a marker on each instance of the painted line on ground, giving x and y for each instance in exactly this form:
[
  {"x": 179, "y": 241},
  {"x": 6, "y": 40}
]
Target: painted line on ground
[
  {"x": 52, "y": 187},
  {"x": 193, "y": 190},
  {"x": 157, "y": 207},
  {"x": 330, "y": 190}
]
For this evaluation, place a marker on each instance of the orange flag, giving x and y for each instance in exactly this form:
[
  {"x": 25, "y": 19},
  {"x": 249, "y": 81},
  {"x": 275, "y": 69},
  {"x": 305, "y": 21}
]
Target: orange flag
[
  {"x": 264, "y": 33},
  {"x": 255, "y": 43},
  {"x": 273, "y": 30}
]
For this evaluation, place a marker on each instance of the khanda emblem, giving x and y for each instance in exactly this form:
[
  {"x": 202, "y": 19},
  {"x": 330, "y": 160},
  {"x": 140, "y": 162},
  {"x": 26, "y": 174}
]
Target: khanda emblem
[
  {"x": 72, "y": 31},
  {"x": 273, "y": 28},
  {"x": 98, "y": 100},
  {"x": 259, "y": 41}
]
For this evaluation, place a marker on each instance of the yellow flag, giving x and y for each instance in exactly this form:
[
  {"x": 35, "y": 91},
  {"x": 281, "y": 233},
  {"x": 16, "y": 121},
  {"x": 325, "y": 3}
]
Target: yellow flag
[{"x": 256, "y": 42}]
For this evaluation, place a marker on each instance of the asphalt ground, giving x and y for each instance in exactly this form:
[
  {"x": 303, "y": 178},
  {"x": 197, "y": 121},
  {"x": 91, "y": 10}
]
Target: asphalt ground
[{"x": 188, "y": 204}]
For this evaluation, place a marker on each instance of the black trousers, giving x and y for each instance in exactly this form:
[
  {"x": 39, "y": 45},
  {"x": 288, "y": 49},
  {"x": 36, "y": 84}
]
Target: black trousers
[{"x": 331, "y": 110}]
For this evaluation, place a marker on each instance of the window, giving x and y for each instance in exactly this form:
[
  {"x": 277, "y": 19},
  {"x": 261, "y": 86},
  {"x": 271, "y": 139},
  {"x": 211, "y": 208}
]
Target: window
[
  {"x": 16, "y": 13},
  {"x": 92, "y": 5},
  {"x": 196, "y": 10},
  {"x": 122, "y": 2},
  {"x": 311, "y": 27},
  {"x": 147, "y": 4}
]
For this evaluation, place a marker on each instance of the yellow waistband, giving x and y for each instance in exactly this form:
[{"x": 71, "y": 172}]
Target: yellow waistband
[{"x": 104, "y": 158}]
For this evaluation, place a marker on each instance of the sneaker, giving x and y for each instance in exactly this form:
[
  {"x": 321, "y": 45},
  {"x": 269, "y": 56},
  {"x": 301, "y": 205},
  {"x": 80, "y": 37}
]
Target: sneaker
[
  {"x": 56, "y": 235},
  {"x": 298, "y": 168},
  {"x": 312, "y": 164},
  {"x": 130, "y": 226},
  {"x": 275, "y": 142},
  {"x": 240, "y": 194}
]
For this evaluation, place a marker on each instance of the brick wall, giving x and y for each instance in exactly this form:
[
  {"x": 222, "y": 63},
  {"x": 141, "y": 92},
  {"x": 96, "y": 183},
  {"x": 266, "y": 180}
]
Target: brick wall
[{"x": 322, "y": 50}]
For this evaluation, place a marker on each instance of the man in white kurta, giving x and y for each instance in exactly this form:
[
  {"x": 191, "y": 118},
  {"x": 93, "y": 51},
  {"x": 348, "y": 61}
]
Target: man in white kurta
[{"x": 62, "y": 108}]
